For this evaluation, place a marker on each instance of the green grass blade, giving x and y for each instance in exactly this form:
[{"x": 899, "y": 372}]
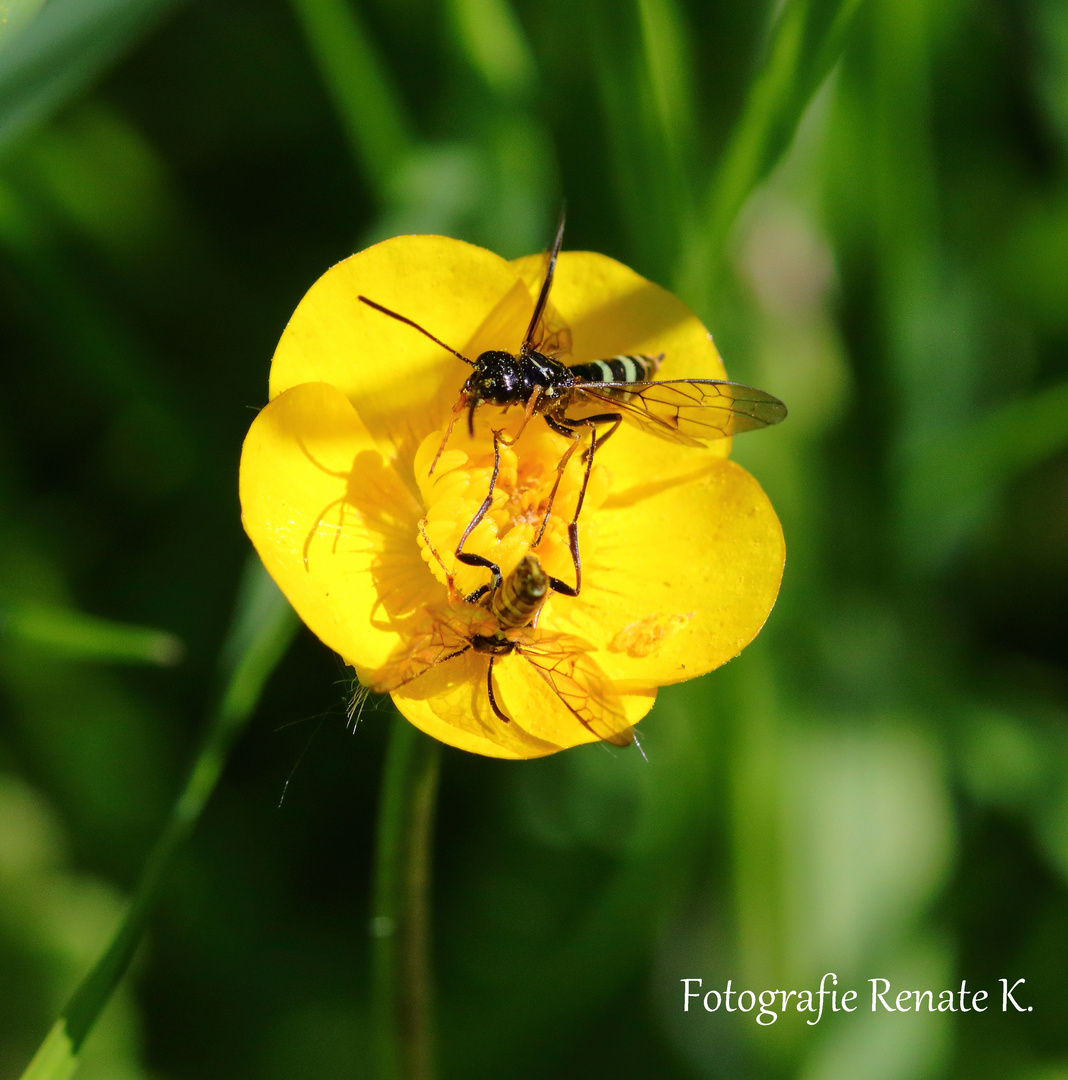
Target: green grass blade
[
  {"x": 56, "y": 1058},
  {"x": 949, "y": 484},
  {"x": 1015, "y": 437},
  {"x": 368, "y": 106},
  {"x": 263, "y": 627},
  {"x": 648, "y": 192},
  {"x": 495, "y": 45},
  {"x": 62, "y": 50},
  {"x": 806, "y": 42},
  {"x": 84, "y": 637},
  {"x": 670, "y": 72}
]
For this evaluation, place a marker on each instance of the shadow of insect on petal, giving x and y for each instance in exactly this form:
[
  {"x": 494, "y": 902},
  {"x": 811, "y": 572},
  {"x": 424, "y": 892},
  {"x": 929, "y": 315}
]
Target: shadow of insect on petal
[{"x": 375, "y": 519}]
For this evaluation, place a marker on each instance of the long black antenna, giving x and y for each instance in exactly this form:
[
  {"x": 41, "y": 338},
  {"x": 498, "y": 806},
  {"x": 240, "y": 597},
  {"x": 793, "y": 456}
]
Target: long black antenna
[{"x": 416, "y": 326}]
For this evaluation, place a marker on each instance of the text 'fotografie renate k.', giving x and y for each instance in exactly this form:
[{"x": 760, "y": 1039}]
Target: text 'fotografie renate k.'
[{"x": 828, "y": 998}]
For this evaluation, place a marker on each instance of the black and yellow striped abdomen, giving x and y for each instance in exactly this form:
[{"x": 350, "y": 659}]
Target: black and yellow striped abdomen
[
  {"x": 521, "y": 594},
  {"x": 637, "y": 367}
]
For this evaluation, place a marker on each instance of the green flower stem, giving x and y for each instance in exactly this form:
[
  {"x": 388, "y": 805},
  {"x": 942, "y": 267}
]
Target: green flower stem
[
  {"x": 263, "y": 627},
  {"x": 400, "y": 917}
]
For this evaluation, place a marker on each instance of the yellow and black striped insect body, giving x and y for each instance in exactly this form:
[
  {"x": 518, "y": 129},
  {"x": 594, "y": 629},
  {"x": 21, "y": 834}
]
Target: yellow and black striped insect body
[
  {"x": 503, "y": 625},
  {"x": 595, "y": 396},
  {"x": 693, "y": 411}
]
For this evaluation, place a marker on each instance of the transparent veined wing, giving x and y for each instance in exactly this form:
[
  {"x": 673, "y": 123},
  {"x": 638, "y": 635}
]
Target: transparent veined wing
[
  {"x": 552, "y": 337},
  {"x": 690, "y": 411},
  {"x": 447, "y": 635},
  {"x": 564, "y": 662},
  {"x": 547, "y": 332}
]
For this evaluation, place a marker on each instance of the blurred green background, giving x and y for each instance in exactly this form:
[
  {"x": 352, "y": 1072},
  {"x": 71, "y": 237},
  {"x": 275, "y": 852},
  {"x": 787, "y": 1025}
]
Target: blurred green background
[{"x": 878, "y": 787}]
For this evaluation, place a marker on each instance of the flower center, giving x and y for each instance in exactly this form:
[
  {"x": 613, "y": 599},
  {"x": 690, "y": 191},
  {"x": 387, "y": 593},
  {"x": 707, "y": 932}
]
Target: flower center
[{"x": 522, "y": 500}]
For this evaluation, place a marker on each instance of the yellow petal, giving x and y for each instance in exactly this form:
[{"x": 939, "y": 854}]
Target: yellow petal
[
  {"x": 611, "y": 310},
  {"x": 333, "y": 523},
  {"x": 450, "y": 703},
  {"x": 681, "y": 562},
  {"x": 401, "y": 383},
  {"x": 681, "y": 579}
]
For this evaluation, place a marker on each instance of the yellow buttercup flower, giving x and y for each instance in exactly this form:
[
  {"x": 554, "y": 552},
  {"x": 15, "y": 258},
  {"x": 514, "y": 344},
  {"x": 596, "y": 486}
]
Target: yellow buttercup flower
[{"x": 681, "y": 551}]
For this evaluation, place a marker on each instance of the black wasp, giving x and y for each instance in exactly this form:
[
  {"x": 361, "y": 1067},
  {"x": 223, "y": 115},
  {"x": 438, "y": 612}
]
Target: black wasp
[{"x": 689, "y": 411}]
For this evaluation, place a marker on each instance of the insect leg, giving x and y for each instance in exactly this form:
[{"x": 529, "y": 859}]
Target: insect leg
[
  {"x": 456, "y": 410},
  {"x": 470, "y": 558},
  {"x": 572, "y": 528},
  {"x": 615, "y": 419},
  {"x": 450, "y": 580},
  {"x": 574, "y": 436},
  {"x": 489, "y": 690},
  {"x": 567, "y": 426},
  {"x": 531, "y": 408}
]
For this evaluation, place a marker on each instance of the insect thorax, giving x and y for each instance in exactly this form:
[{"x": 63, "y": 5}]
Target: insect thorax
[
  {"x": 544, "y": 372},
  {"x": 493, "y": 644},
  {"x": 502, "y": 378}
]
